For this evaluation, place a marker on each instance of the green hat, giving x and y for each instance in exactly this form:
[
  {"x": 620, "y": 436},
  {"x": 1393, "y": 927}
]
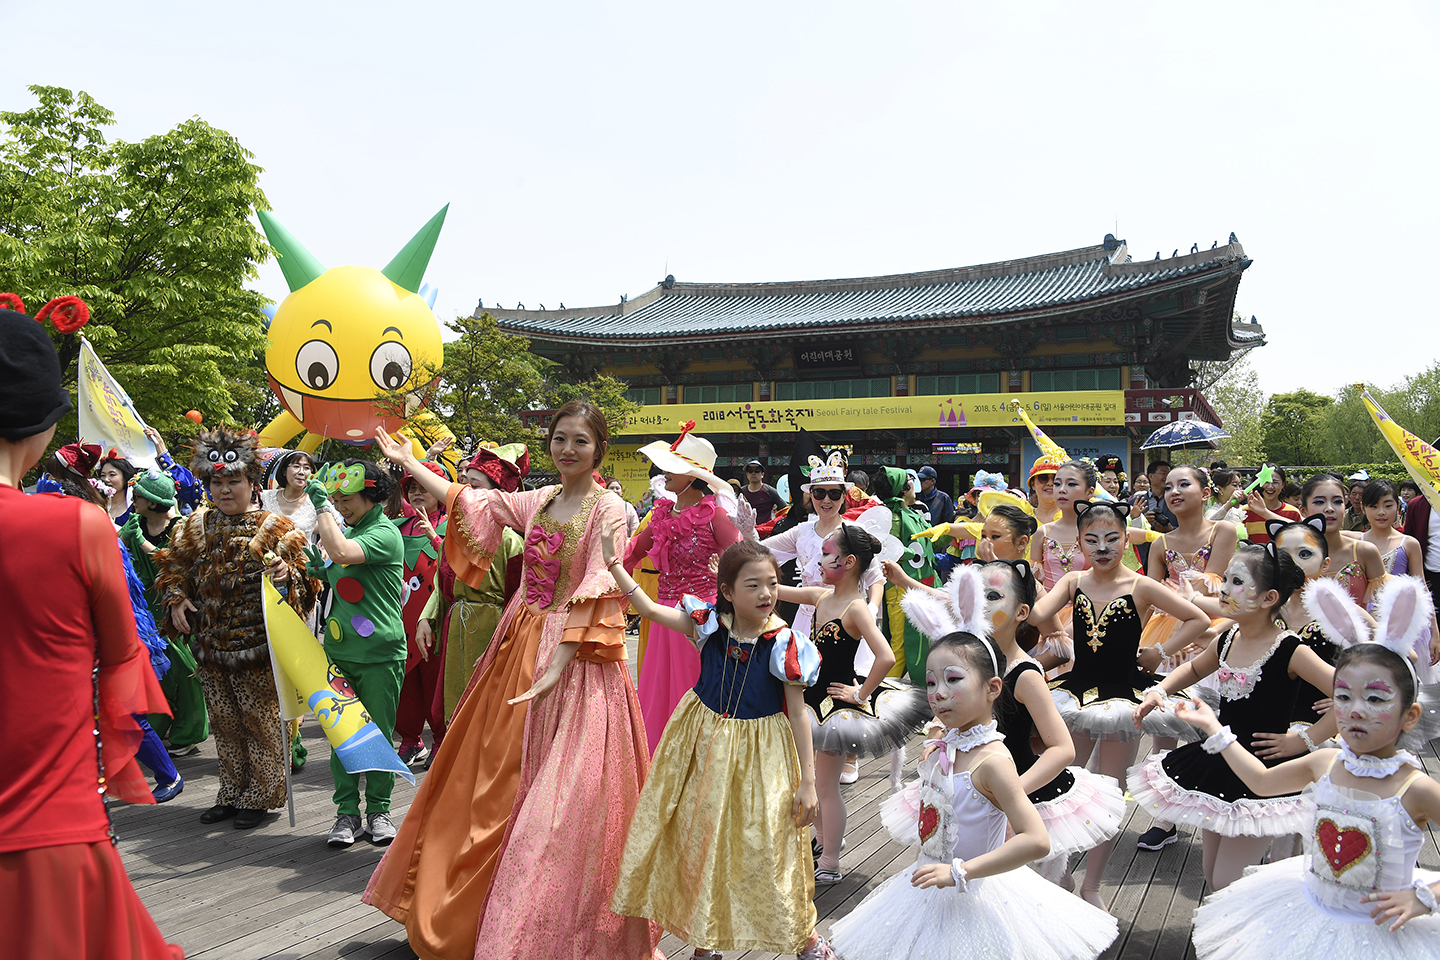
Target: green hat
[{"x": 154, "y": 486}]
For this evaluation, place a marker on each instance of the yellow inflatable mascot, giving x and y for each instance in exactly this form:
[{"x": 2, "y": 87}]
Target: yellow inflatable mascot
[{"x": 353, "y": 349}]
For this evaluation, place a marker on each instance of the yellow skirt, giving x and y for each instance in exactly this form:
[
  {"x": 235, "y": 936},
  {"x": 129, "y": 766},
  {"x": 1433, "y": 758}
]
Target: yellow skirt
[{"x": 713, "y": 854}]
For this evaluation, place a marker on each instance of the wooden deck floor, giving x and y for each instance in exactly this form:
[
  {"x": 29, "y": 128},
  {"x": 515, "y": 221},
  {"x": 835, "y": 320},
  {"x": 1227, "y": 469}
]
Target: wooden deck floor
[{"x": 281, "y": 892}]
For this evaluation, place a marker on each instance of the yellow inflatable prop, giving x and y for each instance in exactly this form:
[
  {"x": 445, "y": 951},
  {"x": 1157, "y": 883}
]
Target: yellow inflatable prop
[{"x": 353, "y": 349}]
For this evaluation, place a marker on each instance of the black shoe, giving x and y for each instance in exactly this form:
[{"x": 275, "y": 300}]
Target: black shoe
[
  {"x": 215, "y": 814},
  {"x": 248, "y": 819},
  {"x": 1157, "y": 839}
]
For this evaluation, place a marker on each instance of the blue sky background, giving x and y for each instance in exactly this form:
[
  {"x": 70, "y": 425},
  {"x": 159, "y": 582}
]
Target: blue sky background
[{"x": 587, "y": 149}]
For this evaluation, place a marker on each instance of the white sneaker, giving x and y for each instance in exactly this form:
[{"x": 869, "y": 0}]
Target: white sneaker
[
  {"x": 347, "y": 828},
  {"x": 381, "y": 828}
]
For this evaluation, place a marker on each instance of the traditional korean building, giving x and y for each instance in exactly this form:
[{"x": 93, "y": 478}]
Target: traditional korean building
[{"x": 917, "y": 368}]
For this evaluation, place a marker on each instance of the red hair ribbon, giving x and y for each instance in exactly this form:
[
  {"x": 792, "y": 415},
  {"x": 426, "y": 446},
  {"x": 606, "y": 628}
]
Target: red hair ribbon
[{"x": 685, "y": 428}]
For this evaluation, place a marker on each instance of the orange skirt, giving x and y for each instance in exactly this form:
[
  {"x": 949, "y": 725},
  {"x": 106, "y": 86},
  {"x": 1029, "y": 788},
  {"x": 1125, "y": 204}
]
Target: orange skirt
[
  {"x": 436, "y": 876},
  {"x": 75, "y": 901}
]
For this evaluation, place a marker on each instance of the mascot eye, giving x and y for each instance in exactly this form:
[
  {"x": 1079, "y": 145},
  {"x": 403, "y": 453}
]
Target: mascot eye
[
  {"x": 317, "y": 364},
  {"x": 390, "y": 365},
  {"x": 917, "y": 555},
  {"x": 214, "y": 456},
  {"x": 231, "y": 456}
]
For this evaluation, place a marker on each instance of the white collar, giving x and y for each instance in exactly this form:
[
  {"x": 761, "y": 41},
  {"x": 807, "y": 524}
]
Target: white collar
[{"x": 1368, "y": 765}]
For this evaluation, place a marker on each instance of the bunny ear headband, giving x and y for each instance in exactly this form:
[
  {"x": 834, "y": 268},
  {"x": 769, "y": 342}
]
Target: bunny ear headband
[
  {"x": 1403, "y": 608},
  {"x": 935, "y": 618}
]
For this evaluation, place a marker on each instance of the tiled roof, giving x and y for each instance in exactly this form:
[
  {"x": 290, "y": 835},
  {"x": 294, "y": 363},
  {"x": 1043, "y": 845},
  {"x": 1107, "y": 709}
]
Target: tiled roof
[{"x": 991, "y": 292}]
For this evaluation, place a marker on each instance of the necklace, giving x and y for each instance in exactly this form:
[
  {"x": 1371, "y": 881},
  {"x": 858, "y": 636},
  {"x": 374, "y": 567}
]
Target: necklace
[
  {"x": 290, "y": 500},
  {"x": 1369, "y": 765},
  {"x": 740, "y": 650}
]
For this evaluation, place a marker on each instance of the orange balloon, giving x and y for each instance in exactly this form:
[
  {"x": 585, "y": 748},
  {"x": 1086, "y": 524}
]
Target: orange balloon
[{"x": 194, "y": 415}]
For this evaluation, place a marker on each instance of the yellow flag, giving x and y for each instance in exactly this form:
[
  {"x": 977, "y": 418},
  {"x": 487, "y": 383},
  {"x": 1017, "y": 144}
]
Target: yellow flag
[
  {"x": 1421, "y": 460},
  {"x": 312, "y": 678}
]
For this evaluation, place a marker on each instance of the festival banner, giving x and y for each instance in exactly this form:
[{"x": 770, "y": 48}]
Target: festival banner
[
  {"x": 625, "y": 463},
  {"x": 1421, "y": 460},
  {"x": 1077, "y": 407},
  {"x": 308, "y": 682},
  {"x": 107, "y": 415}
]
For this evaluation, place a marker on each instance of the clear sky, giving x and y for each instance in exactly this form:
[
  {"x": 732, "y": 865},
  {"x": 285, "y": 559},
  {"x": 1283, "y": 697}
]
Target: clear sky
[{"x": 587, "y": 149}]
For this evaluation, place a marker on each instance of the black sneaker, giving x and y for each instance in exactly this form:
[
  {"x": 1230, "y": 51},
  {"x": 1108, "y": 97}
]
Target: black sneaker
[
  {"x": 1157, "y": 839},
  {"x": 412, "y": 754}
]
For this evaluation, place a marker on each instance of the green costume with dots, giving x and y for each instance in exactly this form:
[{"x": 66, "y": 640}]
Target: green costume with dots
[{"x": 365, "y": 637}]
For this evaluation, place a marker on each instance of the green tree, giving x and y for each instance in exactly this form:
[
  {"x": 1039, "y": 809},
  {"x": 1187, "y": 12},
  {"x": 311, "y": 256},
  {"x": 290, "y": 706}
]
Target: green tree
[
  {"x": 1238, "y": 399},
  {"x": 489, "y": 377},
  {"x": 1292, "y": 427},
  {"x": 156, "y": 237}
]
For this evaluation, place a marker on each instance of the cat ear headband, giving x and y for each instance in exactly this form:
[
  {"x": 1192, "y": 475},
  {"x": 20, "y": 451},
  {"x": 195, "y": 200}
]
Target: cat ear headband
[{"x": 1122, "y": 510}]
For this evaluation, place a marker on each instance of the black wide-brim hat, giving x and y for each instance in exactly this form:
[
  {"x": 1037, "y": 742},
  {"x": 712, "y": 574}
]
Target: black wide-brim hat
[{"x": 31, "y": 397}]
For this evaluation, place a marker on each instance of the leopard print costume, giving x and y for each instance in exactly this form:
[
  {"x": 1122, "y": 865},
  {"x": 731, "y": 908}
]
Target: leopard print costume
[{"x": 216, "y": 562}]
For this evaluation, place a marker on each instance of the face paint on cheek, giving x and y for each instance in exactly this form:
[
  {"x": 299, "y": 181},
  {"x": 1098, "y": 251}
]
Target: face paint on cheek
[{"x": 1000, "y": 618}]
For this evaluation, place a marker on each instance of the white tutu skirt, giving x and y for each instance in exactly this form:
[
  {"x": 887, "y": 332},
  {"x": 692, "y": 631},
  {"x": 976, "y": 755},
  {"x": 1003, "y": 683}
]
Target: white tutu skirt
[
  {"x": 1080, "y": 819},
  {"x": 1267, "y": 914},
  {"x": 1015, "y": 914},
  {"x": 1114, "y": 719},
  {"x": 1163, "y": 798}
]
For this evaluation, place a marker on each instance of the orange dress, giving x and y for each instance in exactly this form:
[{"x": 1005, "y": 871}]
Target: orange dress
[{"x": 512, "y": 846}]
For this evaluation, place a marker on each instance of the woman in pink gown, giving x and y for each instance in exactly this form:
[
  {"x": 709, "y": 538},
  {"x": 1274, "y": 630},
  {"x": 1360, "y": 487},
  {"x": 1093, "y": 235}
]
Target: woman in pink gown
[
  {"x": 512, "y": 846},
  {"x": 687, "y": 527}
]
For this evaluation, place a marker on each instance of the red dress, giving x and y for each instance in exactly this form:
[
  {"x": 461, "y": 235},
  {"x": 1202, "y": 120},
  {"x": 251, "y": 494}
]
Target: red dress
[{"x": 63, "y": 889}]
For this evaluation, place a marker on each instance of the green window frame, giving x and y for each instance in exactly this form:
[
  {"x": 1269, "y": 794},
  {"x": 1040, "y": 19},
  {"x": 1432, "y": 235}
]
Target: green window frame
[
  {"x": 798, "y": 390},
  {"x": 1102, "y": 378},
  {"x": 945, "y": 385},
  {"x": 719, "y": 393},
  {"x": 646, "y": 396}
]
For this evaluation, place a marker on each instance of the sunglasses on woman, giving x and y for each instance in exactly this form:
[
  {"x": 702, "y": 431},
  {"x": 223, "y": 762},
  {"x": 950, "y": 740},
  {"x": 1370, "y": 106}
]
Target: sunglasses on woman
[{"x": 832, "y": 494}]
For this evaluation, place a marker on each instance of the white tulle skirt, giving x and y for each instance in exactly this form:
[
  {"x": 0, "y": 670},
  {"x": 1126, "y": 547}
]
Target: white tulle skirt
[
  {"x": 1163, "y": 798},
  {"x": 1080, "y": 819},
  {"x": 1015, "y": 914},
  {"x": 1267, "y": 914}
]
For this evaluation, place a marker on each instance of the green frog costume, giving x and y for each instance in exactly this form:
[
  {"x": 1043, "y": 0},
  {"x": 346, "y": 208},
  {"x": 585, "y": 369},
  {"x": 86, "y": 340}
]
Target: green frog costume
[
  {"x": 364, "y": 635},
  {"x": 909, "y": 644}
]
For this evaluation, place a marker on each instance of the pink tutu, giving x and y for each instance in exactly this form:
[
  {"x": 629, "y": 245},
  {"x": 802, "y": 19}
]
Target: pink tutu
[{"x": 1164, "y": 799}]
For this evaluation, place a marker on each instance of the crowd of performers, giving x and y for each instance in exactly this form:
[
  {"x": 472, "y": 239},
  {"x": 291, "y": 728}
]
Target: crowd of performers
[{"x": 1282, "y": 664}]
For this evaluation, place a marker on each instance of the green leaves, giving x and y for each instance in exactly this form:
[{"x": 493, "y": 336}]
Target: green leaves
[{"x": 155, "y": 236}]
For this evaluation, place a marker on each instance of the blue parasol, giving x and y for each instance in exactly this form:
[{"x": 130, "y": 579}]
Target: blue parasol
[{"x": 1185, "y": 433}]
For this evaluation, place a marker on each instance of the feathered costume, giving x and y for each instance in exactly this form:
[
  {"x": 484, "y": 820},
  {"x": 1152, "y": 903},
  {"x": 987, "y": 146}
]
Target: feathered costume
[{"x": 216, "y": 561}]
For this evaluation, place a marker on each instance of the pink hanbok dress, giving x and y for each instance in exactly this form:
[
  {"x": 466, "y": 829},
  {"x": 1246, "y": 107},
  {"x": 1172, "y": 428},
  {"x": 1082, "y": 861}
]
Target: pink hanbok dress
[{"x": 680, "y": 545}]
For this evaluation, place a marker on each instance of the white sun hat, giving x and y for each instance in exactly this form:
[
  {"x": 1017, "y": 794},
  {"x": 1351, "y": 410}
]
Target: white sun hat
[
  {"x": 689, "y": 456},
  {"x": 830, "y": 471}
]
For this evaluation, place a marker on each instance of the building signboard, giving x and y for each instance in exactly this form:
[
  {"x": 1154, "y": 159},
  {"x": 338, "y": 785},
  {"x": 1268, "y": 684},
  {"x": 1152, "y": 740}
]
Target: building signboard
[{"x": 1075, "y": 407}]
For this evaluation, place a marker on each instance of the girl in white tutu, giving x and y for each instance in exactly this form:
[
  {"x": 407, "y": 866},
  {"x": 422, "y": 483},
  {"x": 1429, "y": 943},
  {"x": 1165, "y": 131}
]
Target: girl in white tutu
[
  {"x": 1080, "y": 809},
  {"x": 970, "y": 893},
  {"x": 1356, "y": 892},
  {"x": 1259, "y": 666},
  {"x": 1097, "y": 698},
  {"x": 849, "y": 714}
]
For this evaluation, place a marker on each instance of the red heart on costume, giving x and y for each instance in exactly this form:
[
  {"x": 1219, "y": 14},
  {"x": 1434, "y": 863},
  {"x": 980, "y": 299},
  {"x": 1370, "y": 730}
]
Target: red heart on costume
[
  {"x": 1342, "y": 848},
  {"x": 929, "y": 821}
]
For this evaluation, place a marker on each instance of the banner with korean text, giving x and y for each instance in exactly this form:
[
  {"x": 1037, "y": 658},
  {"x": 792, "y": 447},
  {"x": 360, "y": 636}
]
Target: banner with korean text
[
  {"x": 106, "y": 414},
  {"x": 1076, "y": 407}
]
